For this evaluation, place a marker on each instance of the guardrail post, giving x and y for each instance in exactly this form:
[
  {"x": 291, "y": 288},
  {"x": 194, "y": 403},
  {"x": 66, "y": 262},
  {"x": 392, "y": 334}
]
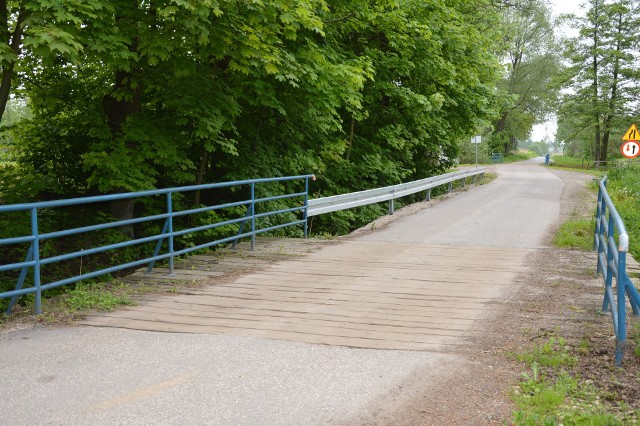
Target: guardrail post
[
  {"x": 253, "y": 216},
  {"x": 464, "y": 182},
  {"x": 170, "y": 230},
  {"x": 36, "y": 258},
  {"x": 428, "y": 195},
  {"x": 391, "y": 206},
  {"x": 306, "y": 207},
  {"x": 450, "y": 188}
]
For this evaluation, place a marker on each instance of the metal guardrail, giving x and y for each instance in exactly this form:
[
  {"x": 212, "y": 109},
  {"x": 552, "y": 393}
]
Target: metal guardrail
[
  {"x": 34, "y": 259},
  {"x": 388, "y": 193},
  {"x": 612, "y": 262}
]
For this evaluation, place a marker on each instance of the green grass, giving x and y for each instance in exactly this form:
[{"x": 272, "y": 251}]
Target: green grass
[
  {"x": 624, "y": 189},
  {"x": 520, "y": 156},
  {"x": 575, "y": 234},
  {"x": 562, "y": 400},
  {"x": 95, "y": 296},
  {"x": 553, "y": 353},
  {"x": 571, "y": 162},
  {"x": 549, "y": 395}
]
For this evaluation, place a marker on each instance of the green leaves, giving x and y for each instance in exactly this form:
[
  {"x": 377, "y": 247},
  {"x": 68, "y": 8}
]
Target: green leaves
[{"x": 179, "y": 91}]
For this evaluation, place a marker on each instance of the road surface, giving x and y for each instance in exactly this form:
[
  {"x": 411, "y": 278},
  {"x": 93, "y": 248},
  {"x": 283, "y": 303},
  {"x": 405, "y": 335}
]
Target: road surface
[{"x": 227, "y": 373}]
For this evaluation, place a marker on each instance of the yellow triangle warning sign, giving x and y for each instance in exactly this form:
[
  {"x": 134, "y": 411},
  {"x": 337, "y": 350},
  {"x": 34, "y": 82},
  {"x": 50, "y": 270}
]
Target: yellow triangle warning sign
[{"x": 632, "y": 134}]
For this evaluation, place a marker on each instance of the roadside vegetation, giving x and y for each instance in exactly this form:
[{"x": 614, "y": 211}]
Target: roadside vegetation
[
  {"x": 623, "y": 185},
  {"x": 573, "y": 383},
  {"x": 550, "y": 393}
]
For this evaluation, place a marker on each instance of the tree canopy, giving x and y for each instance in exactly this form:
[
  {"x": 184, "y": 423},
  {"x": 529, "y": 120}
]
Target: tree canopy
[
  {"x": 129, "y": 95},
  {"x": 601, "y": 83}
]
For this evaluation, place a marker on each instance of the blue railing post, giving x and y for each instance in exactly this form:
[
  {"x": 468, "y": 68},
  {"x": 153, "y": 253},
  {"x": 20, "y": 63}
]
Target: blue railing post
[
  {"x": 596, "y": 232},
  {"x": 253, "y": 216},
  {"x": 170, "y": 230},
  {"x": 306, "y": 207},
  {"x": 36, "y": 258},
  {"x": 600, "y": 235},
  {"x": 609, "y": 279},
  {"x": 621, "y": 332}
]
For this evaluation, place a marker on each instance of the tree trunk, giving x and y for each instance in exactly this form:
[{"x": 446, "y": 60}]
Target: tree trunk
[
  {"x": 204, "y": 160},
  {"x": 14, "y": 41},
  {"x": 595, "y": 85},
  {"x": 352, "y": 128},
  {"x": 117, "y": 110},
  {"x": 613, "y": 96}
]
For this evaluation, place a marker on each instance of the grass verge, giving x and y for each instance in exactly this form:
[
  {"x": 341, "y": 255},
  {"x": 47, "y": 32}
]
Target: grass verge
[
  {"x": 575, "y": 234},
  {"x": 549, "y": 394}
]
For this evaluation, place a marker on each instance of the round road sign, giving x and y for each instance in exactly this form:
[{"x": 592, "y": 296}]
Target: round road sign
[{"x": 630, "y": 149}]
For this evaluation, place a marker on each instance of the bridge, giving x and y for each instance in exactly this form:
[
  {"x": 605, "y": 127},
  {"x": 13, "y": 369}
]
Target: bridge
[{"x": 315, "y": 333}]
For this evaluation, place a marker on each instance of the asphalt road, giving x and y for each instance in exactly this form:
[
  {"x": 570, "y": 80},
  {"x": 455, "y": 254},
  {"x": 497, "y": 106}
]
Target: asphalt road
[
  {"x": 88, "y": 375},
  {"x": 514, "y": 211}
]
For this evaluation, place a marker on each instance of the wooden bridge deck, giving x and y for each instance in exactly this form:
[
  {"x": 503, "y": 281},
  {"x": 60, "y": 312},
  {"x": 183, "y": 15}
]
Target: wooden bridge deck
[{"x": 351, "y": 293}]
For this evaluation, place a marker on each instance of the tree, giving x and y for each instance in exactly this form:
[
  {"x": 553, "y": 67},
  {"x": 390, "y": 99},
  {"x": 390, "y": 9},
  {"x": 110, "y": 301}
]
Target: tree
[
  {"x": 165, "y": 93},
  {"x": 532, "y": 63},
  {"x": 602, "y": 81}
]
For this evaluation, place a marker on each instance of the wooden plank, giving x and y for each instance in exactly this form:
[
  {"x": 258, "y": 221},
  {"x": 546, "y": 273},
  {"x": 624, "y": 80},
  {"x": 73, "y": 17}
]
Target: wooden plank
[{"x": 370, "y": 295}]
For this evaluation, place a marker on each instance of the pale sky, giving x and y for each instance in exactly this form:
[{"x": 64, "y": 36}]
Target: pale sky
[{"x": 558, "y": 7}]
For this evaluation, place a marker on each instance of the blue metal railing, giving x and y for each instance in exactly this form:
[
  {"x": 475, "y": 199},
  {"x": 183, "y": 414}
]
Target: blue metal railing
[
  {"x": 612, "y": 262},
  {"x": 34, "y": 259}
]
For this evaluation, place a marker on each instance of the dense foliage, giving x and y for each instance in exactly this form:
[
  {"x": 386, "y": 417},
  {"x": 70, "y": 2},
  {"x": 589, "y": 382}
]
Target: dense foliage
[
  {"x": 130, "y": 95},
  {"x": 532, "y": 62}
]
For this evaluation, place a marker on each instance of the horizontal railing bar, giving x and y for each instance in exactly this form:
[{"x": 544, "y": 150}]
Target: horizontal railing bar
[
  {"x": 104, "y": 271},
  {"x": 212, "y": 243},
  {"x": 20, "y": 292},
  {"x": 275, "y": 212},
  {"x": 612, "y": 209},
  {"x": 273, "y": 228},
  {"x": 280, "y": 197},
  {"x": 19, "y": 265},
  {"x": 129, "y": 195},
  {"x": 209, "y": 208},
  {"x": 16, "y": 240},
  {"x": 101, "y": 226},
  {"x": 101, "y": 249},
  {"x": 210, "y": 226}
]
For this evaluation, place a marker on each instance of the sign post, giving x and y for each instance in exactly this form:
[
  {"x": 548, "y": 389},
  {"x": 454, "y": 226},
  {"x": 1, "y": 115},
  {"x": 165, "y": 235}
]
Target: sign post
[
  {"x": 476, "y": 140},
  {"x": 631, "y": 146}
]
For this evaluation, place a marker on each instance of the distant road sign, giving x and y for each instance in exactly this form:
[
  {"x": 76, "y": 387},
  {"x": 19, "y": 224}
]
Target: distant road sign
[
  {"x": 630, "y": 149},
  {"x": 476, "y": 139},
  {"x": 632, "y": 134}
]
